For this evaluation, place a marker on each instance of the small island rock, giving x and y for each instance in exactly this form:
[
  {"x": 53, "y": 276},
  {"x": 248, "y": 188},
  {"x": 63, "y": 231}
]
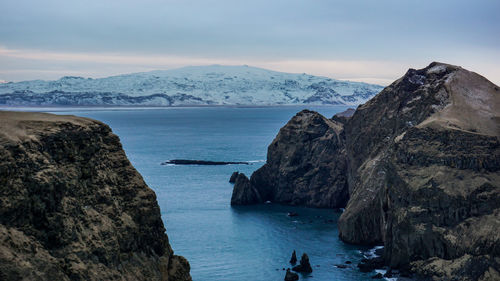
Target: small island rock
[
  {"x": 293, "y": 260},
  {"x": 291, "y": 276},
  {"x": 304, "y": 265}
]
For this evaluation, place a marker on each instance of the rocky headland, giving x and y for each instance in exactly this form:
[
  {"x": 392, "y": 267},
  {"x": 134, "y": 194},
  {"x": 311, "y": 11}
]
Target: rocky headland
[
  {"x": 417, "y": 167},
  {"x": 305, "y": 166},
  {"x": 72, "y": 207}
]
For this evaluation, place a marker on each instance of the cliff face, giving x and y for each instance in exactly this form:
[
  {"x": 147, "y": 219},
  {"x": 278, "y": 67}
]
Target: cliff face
[
  {"x": 72, "y": 207},
  {"x": 305, "y": 166},
  {"x": 422, "y": 162}
]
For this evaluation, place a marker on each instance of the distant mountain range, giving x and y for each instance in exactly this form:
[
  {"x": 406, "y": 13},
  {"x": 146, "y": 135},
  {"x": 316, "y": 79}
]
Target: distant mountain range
[{"x": 193, "y": 85}]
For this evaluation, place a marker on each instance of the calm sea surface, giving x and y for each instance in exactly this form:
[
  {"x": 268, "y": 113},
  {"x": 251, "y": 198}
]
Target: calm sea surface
[{"x": 221, "y": 242}]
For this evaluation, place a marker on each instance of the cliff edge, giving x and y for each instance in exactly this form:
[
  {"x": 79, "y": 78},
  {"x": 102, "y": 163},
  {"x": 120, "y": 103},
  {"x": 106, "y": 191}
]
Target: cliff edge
[
  {"x": 421, "y": 167},
  {"x": 72, "y": 207}
]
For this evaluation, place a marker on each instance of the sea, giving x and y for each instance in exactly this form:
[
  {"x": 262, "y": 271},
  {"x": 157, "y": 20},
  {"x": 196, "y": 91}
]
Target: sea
[{"x": 223, "y": 242}]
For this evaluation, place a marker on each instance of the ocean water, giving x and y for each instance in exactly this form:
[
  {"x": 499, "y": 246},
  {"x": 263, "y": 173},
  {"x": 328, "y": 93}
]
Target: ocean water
[{"x": 223, "y": 242}]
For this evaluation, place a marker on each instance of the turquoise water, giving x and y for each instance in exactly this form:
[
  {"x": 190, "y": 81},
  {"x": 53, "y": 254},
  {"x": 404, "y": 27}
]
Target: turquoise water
[{"x": 221, "y": 242}]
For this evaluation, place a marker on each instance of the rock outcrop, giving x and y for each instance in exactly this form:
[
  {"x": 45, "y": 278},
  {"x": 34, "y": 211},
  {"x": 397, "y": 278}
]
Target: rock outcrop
[
  {"x": 291, "y": 276},
  {"x": 72, "y": 207},
  {"x": 293, "y": 259},
  {"x": 421, "y": 166},
  {"x": 305, "y": 165},
  {"x": 233, "y": 177},
  {"x": 304, "y": 265},
  {"x": 244, "y": 193}
]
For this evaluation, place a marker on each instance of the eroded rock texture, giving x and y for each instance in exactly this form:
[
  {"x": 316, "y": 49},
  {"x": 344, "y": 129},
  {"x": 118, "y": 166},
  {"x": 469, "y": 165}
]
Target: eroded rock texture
[
  {"x": 424, "y": 162},
  {"x": 420, "y": 164},
  {"x": 305, "y": 164},
  {"x": 72, "y": 207}
]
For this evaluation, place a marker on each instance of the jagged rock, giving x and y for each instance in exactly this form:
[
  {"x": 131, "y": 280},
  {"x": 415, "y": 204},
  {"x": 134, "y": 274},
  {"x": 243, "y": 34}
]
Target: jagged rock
[
  {"x": 291, "y": 276},
  {"x": 388, "y": 274},
  {"x": 293, "y": 259},
  {"x": 304, "y": 265},
  {"x": 421, "y": 165},
  {"x": 423, "y": 170},
  {"x": 233, "y": 177},
  {"x": 467, "y": 268},
  {"x": 243, "y": 192},
  {"x": 367, "y": 265},
  {"x": 305, "y": 164},
  {"x": 72, "y": 207},
  {"x": 378, "y": 276},
  {"x": 343, "y": 116}
]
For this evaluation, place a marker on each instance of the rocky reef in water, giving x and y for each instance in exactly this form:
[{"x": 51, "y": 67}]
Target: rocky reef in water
[
  {"x": 72, "y": 207},
  {"x": 417, "y": 166}
]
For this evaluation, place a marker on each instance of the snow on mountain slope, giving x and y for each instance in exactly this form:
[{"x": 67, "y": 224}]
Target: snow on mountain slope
[{"x": 193, "y": 85}]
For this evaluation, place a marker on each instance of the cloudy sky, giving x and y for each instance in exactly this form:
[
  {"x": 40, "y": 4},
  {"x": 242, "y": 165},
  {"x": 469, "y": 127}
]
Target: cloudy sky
[{"x": 370, "y": 40}]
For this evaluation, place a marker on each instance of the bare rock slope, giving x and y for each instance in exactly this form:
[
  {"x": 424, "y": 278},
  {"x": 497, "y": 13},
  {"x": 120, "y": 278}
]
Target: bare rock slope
[
  {"x": 72, "y": 207},
  {"x": 422, "y": 162}
]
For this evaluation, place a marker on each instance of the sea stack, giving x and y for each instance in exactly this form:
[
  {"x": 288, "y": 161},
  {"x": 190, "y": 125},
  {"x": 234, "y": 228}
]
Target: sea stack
[
  {"x": 291, "y": 276},
  {"x": 293, "y": 259},
  {"x": 420, "y": 167},
  {"x": 74, "y": 208},
  {"x": 304, "y": 265}
]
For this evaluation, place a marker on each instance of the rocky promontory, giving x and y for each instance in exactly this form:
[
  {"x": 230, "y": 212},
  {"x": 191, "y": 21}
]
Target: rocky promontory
[
  {"x": 420, "y": 163},
  {"x": 305, "y": 166},
  {"x": 72, "y": 207}
]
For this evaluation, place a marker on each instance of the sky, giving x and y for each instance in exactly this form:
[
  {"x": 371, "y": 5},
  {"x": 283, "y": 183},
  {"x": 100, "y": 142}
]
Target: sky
[{"x": 373, "y": 41}]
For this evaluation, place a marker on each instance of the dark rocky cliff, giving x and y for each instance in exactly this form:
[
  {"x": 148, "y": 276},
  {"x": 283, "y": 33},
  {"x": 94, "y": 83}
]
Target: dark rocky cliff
[
  {"x": 305, "y": 166},
  {"x": 72, "y": 207},
  {"x": 422, "y": 166}
]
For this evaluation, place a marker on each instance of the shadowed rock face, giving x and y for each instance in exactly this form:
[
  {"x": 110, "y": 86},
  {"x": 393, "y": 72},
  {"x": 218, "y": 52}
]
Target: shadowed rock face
[
  {"x": 422, "y": 170},
  {"x": 72, "y": 207},
  {"x": 305, "y": 165},
  {"x": 424, "y": 162},
  {"x": 244, "y": 193}
]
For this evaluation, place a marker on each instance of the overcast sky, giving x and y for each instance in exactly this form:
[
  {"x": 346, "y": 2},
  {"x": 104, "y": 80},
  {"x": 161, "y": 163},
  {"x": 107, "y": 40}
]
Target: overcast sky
[{"x": 372, "y": 41}]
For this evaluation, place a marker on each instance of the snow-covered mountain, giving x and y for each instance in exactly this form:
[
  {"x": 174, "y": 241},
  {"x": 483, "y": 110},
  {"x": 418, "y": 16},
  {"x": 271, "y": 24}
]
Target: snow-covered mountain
[{"x": 193, "y": 85}]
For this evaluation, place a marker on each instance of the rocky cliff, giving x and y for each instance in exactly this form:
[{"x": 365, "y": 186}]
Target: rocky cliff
[
  {"x": 305, "y": 166},
  {"x": 72, "y": 207},
  {"x": 422, "y": 166}
]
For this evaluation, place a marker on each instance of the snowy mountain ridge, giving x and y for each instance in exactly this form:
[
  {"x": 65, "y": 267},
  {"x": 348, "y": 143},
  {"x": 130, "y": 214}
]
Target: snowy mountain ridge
[{"x": 192, "y": 85}]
